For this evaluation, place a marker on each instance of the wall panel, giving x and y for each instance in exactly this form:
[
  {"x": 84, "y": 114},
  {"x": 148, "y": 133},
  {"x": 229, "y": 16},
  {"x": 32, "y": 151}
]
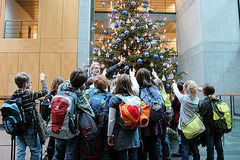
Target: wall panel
[
  {"x": 59, "y": 45},
  {"x": 50, "y": 65},
  {"x": 68, "y": 63},
  {"x": 9, "y": 67},
  {"x": 70, "y": 19},
  {"x": 29, "y": 62},
  {"x": 51, "y": 19}
]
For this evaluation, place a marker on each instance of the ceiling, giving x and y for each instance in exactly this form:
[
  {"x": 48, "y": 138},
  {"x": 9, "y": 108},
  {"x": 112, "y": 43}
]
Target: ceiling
[
  {"x": 156, "y": 5},
  {"x": 30, "y": 6}
]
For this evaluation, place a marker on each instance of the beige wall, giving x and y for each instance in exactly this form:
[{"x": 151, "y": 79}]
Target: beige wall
[
  {"x": 14, "y": 11},
  {"x": 54, "y": 52}
]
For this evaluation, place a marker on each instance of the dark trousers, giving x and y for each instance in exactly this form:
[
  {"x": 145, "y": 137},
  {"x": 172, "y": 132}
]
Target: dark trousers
[
  {"x": 50, "y": 148},
  {"x": 151, "y": 145},
  {"x": 128, "y": 154},
  {"x": 189, "y": 145},
  {"x": 218, "y": 144}
]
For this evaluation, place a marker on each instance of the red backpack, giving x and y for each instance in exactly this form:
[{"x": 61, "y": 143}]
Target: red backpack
[{"x": 64, "y": 117}]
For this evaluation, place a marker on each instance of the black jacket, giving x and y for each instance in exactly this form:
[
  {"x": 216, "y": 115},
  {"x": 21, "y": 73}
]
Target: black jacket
[{"x": 205, "y": 110}]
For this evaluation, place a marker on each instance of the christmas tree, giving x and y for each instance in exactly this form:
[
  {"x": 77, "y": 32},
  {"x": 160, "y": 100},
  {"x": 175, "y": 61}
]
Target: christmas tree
[{"x": 133, "y": 35}]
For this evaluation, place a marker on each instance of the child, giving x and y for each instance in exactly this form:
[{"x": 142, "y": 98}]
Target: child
[
  {"x": 155, "y": 130},
  {"x": 99, "y": 101},
  {"x": 68, "y": 149},
  {"x": 30, "y": 138},
  {"x": 126, "y": 140},
  {"x": 212, "y": 136},
  {"x": 189, "y": 106},
  {"x": 46, "y": 111}
]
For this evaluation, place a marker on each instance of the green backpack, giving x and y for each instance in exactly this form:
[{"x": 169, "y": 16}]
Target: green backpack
[{"x": 221, "y": 116}]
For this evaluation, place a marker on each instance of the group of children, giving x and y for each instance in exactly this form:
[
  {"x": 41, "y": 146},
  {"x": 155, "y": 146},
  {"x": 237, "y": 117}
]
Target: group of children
[{"x": 116, "y": 141}]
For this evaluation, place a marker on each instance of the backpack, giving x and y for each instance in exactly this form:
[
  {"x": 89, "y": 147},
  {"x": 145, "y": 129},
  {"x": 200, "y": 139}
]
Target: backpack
[
  {"x": 89, "y": 136},
  {"x": 13, "y": 116},
  {"x": 151, "y": 96},
  {"x": 99, "y": 103},
  {"x": 221, "y": 116},
  {"x": 131, "y": 114},
  {"x": 64, "y": 116},
  {"x": 45, "y": 107}
]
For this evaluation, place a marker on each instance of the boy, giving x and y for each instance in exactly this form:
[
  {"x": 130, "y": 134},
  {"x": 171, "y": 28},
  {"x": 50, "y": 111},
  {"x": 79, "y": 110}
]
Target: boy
[
  {"x": 68, "y": 148},
  {"x": 30, "y": 138},
  {"x": 212, "y": 136}
]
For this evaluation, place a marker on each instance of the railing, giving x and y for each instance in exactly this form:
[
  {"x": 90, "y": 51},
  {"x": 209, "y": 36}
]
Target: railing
[
  {"x": 21, "y": 29},
  {"x": 234, "y": 105}
]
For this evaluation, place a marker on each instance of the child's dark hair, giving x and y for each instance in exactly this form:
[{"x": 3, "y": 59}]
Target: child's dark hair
[
  {"x": 21, "y": 78},
  {"x": 143, "y": 77},
  {"x": 78, "y": 77},
  {"x": 208, "y": 89},
  {"x": 180, "y": 86},
  {"x": 56, "y": 82}
]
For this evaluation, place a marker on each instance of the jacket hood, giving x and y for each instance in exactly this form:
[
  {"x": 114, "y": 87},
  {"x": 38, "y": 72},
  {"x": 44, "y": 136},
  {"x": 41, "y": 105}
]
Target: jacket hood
[{"x": 192, "y": 101}]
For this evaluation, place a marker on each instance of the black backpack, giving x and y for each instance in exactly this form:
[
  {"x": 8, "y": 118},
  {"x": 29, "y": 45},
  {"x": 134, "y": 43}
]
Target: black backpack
[
  {"x": 45, "y": 108},
  {"x": 89, "y": 136},
  {"x": 13, "y": 116}
]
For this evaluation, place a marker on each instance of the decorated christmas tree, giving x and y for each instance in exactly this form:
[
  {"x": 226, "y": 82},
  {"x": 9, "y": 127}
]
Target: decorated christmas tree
[{"x": 133, "y": 35}]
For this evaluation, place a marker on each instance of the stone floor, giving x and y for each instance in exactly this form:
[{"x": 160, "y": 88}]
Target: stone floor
[{"x": 231, "y": 143}]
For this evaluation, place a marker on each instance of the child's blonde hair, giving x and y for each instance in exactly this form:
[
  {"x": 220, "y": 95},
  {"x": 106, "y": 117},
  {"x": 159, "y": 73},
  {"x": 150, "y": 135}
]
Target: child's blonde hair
[{"x": 191, "y": 88}]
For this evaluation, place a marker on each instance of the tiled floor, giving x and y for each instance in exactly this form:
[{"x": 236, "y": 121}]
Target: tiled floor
[{"x": 231, "y": 145}]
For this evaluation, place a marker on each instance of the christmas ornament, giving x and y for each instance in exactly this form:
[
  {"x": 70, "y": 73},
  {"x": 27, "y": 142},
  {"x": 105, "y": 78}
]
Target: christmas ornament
[
  {"x": 114, "y": 59},
  {"x": 93, "y": 29},
  {"x": 137, "y": 21},
  {"x": 161, "y": 57},
  {"x": 132, "y": 27},
  {"x": 146, "y": 54},
  {"x": 114, "y": 17},
  {"x": 135, "y": 37},
  {"x": 104, "y": 4},
  {"x": 122, "y": 35},
  {"x": 159, "y": 41},
  {"x": 95, "y": 49},
  {"x": 166, "y": 48},
  {"x": 118, "y": 39},
  {"x": 160, "y": 52},
  {"x": 163, "y": 78},
  {"x": 86, "y": 69},
  {"x": 139, "y": 61},
  {"x": 133, "y": 3},
  {"x": 105, "y": 32},
  {"x": 174, "y": 71},
  {"x": 169, "y": 79},
  {"x": 162, "y": 24},
  {"x": 114, "y": 11},
  {"x": 145, "y": 5},
  {"x": 125, "y": 13},
  {"x": 168, "y": 85},
  {"x": 126, "y": 67},
  {"x": 141, "y": 39},
  {"x": 126, "y": 32},
  {"x": 155, "y": 56},
  {"x": 150, "y": 38},
  {"x": 116, "y": 25},
  {"x": 165, "y": 64}
]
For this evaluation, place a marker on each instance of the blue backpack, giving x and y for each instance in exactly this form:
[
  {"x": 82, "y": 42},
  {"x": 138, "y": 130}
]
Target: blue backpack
[
  {"x": 13, "y": 116},
  {"x": 99, "y": 103},
  {"x": 151, "y": 96}
]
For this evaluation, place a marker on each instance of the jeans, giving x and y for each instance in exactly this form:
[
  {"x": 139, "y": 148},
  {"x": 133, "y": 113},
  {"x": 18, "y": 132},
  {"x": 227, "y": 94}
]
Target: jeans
[
  {"x": 166, "y": 152},
  {"x": 128, "y": 154},
  {"x": 31, "y": 139},
  {"x": 104, "y": 152},
  {"x": 209, "y": 143},
  {"x": 66, "y": 149},
  {"x": 151, "y": 145},
  {"x": 218, "y": 145},
  {"x": 189, "y": 145}
]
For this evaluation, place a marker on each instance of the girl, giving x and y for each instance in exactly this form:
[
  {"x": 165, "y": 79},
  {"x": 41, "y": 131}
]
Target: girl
[
  {"x": 189, "y": 106},
  {"x": 126, "y": 141}
]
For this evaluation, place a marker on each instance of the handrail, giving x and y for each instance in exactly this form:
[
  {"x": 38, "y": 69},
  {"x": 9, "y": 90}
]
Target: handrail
[{"x": 10, "y": 26}]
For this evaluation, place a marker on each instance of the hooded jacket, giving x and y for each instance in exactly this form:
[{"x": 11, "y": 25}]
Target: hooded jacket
[{"x": 189, "y": 106}]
